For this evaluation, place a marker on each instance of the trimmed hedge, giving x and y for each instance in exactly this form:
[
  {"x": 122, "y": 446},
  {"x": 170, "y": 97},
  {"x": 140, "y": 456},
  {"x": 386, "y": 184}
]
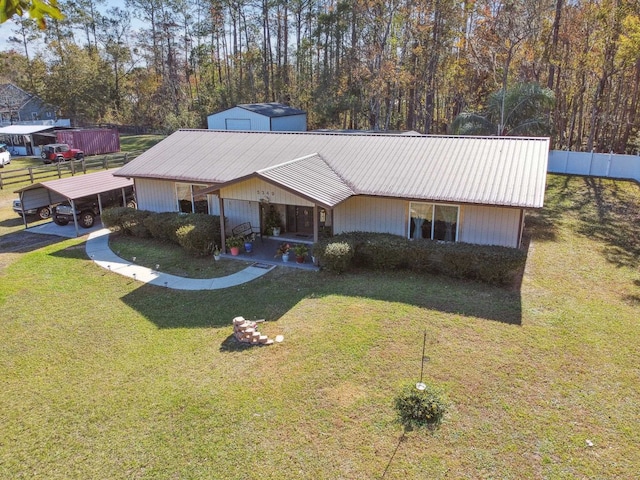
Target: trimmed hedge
[
  {"x": 379, "y": 251},
  {"x": 127, "y": 220},
  {"x": 195, "y": 232},
  {"x": 200, "y": 234}
]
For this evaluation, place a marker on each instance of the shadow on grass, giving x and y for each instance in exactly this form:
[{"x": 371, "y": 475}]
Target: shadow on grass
[
  {"x": 12, "y": 222},
  {"x": 24, "y": 242},
  {"x": 279, "y": 291},
  {"x": 273, "y": 295},
  {"x": 543, "y": 224},
  {"x": 402, "y": 438},
  {"x": 609, "y": 211},
  {"x": 230, "y": 344}
]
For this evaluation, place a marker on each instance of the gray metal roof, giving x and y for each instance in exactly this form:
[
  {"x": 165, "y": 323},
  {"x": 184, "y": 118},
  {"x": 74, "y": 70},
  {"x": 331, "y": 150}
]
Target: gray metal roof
[
  {"x": 24, "y": 129},
  {"x": 271, "y": 109},
  {"x": 507, "y": 171},
  {"x": 310, "y": 177},
  {"x": 81, "y": 185}
]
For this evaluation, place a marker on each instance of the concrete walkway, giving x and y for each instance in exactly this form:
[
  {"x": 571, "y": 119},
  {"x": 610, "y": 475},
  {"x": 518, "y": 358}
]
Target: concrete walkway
[{"x": 97, "y": 246}]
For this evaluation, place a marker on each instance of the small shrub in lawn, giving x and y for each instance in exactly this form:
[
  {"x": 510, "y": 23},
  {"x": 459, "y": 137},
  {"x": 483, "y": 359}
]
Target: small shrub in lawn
[{"x": 420, "y": 408}]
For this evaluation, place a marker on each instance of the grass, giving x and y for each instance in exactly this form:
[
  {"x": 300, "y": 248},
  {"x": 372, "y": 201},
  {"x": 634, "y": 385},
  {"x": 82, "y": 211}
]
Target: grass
[
  {"x": 171, "y": 258},
  {"x": 105, "y": 378},
  {"x": 138, "y": 143}
]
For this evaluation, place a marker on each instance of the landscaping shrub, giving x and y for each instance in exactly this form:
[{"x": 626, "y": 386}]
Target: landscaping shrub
[
  {"x": 164, "y": 226},
  {"x": 195, "y": 232},
  {"x": 111, "y": 217},
  {"x": 128, "y": 221},
  {"x": 133, "y": 222},
  {"x": 335, "y": 256},
  {"x": 457, "y": 261},
  {"x": 420, "y": 408},
  {"x": 199, "y": 234},
  {"x": 424, "y": 256},
  {"x": 499, "y": 265},
  {"x": 381, "y": 251}
]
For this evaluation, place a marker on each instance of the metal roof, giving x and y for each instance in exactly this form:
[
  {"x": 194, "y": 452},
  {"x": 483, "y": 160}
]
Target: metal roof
[
  {"x": 506, "y": 171},
  {"x": 310, "y": 177},
  {"x": 272, "y": 109},
  {"x": 24, "y": 129},
  {"x": 82, "y": 185}
]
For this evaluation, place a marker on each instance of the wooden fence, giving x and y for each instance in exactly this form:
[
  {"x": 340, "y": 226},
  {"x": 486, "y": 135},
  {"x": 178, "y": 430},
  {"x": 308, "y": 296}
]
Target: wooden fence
[{"x": 63, "y": 169}]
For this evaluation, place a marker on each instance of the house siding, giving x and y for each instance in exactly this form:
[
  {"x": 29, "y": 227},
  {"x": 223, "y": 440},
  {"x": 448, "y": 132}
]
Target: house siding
[
  {"x": 291, "y": 123},
  {"x": 240, "y": 211},
  {"x": 255, "y": 190},
  {"x": 489, "y": 225},
  {"x": 370, "y": 214},
  {"x": 238, "y": 116},
  {"x": 477, "y": 224},
  {"x": 156, "y": 195}
]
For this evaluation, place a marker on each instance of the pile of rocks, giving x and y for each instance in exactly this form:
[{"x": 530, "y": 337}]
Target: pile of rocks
[{"x": 246, "y": 331}]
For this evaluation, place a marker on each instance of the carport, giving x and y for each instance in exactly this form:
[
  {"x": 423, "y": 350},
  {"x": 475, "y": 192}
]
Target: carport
[
  {"x": 18, "y": 135},
  {"x": 71, "y": 189}
]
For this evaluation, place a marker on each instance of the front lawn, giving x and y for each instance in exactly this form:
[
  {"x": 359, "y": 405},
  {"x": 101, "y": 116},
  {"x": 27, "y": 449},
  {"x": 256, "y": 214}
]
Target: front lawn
[{"x": 103, "y": 377}]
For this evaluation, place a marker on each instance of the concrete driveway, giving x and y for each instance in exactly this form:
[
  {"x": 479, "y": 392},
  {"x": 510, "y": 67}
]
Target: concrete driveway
[{"x": 66, "y": 231}]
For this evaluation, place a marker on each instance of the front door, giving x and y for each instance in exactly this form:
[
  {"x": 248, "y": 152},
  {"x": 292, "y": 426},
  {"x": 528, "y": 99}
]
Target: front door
[{"x": 300, "y": 220}]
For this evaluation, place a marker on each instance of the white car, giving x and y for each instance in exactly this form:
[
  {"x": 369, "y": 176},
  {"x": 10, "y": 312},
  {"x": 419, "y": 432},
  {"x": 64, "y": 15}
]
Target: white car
[{"x": 5, "y": 156}]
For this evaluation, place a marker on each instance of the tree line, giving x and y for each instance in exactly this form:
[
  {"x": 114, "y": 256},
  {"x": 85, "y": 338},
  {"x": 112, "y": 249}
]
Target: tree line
[{"x": 357, "y": 64}]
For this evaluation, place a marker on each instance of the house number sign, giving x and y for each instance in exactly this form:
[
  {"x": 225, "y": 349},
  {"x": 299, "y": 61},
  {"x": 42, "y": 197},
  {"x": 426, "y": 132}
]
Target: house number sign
[{"x": 265, "y": 195}]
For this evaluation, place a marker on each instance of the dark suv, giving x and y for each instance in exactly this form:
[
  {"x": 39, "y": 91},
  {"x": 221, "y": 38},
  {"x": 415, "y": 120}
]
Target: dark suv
[
  {"x": 60, "y": 152},
  {"x": 87, "y": 208}
]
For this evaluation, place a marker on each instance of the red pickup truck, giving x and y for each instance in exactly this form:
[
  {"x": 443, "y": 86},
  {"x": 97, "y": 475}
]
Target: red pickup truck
[{"x": 60, "y": 152}]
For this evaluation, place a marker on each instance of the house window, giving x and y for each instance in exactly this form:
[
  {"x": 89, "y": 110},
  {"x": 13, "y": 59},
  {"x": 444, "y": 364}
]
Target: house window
[
  {"x": 433, "y": 221},
  {"x": 190, "y": 200}
]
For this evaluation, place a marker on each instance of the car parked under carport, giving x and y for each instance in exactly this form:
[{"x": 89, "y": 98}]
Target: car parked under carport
[{"x": 97, "y": 189}]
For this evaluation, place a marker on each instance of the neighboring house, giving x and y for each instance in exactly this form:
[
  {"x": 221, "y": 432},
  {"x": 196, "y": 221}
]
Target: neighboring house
[
  {"x": 265, "y": 117},
  {"x": 465, "y": 189},
  {"x": 20, "y": 107}
]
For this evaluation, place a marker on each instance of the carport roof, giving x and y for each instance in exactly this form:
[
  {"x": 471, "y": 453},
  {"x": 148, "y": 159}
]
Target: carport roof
[
  {"x": 24, "y": 129},
  {"x": 83, "y": 185}
]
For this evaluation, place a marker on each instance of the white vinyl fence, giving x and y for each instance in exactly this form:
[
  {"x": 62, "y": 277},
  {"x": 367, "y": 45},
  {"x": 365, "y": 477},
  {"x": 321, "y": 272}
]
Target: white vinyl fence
[{"x": 608, "y": 165}]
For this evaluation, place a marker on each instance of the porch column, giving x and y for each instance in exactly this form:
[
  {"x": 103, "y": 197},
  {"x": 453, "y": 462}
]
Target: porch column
[
  {"x": 223, "y": 236},
  {"x": 316, "y": 221}
]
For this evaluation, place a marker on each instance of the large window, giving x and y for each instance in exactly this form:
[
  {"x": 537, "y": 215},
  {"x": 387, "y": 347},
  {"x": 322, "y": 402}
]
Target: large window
[
  {"x": 433, "y": 221},
  {"x": 190, "y": 200}
]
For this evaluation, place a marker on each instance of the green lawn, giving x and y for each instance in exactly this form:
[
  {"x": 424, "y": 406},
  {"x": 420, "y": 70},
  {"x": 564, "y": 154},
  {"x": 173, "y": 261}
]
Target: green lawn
[
  {"x": 103, "y": 377},
  {"x": 139, "y": 143}
]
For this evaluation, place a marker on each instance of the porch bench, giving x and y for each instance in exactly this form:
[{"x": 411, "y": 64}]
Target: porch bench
[{"x": 245, "y": 230}]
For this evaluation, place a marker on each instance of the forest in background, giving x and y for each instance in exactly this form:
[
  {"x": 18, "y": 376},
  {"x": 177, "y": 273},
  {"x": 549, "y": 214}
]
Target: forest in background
[{"x": 357, "y": 64}]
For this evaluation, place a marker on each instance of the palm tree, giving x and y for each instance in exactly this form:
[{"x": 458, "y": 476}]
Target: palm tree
[{"x": 522, "y": 111}]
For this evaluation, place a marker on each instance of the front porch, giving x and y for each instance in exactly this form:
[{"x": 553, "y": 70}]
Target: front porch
[{"x": 265, "y": 248}]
